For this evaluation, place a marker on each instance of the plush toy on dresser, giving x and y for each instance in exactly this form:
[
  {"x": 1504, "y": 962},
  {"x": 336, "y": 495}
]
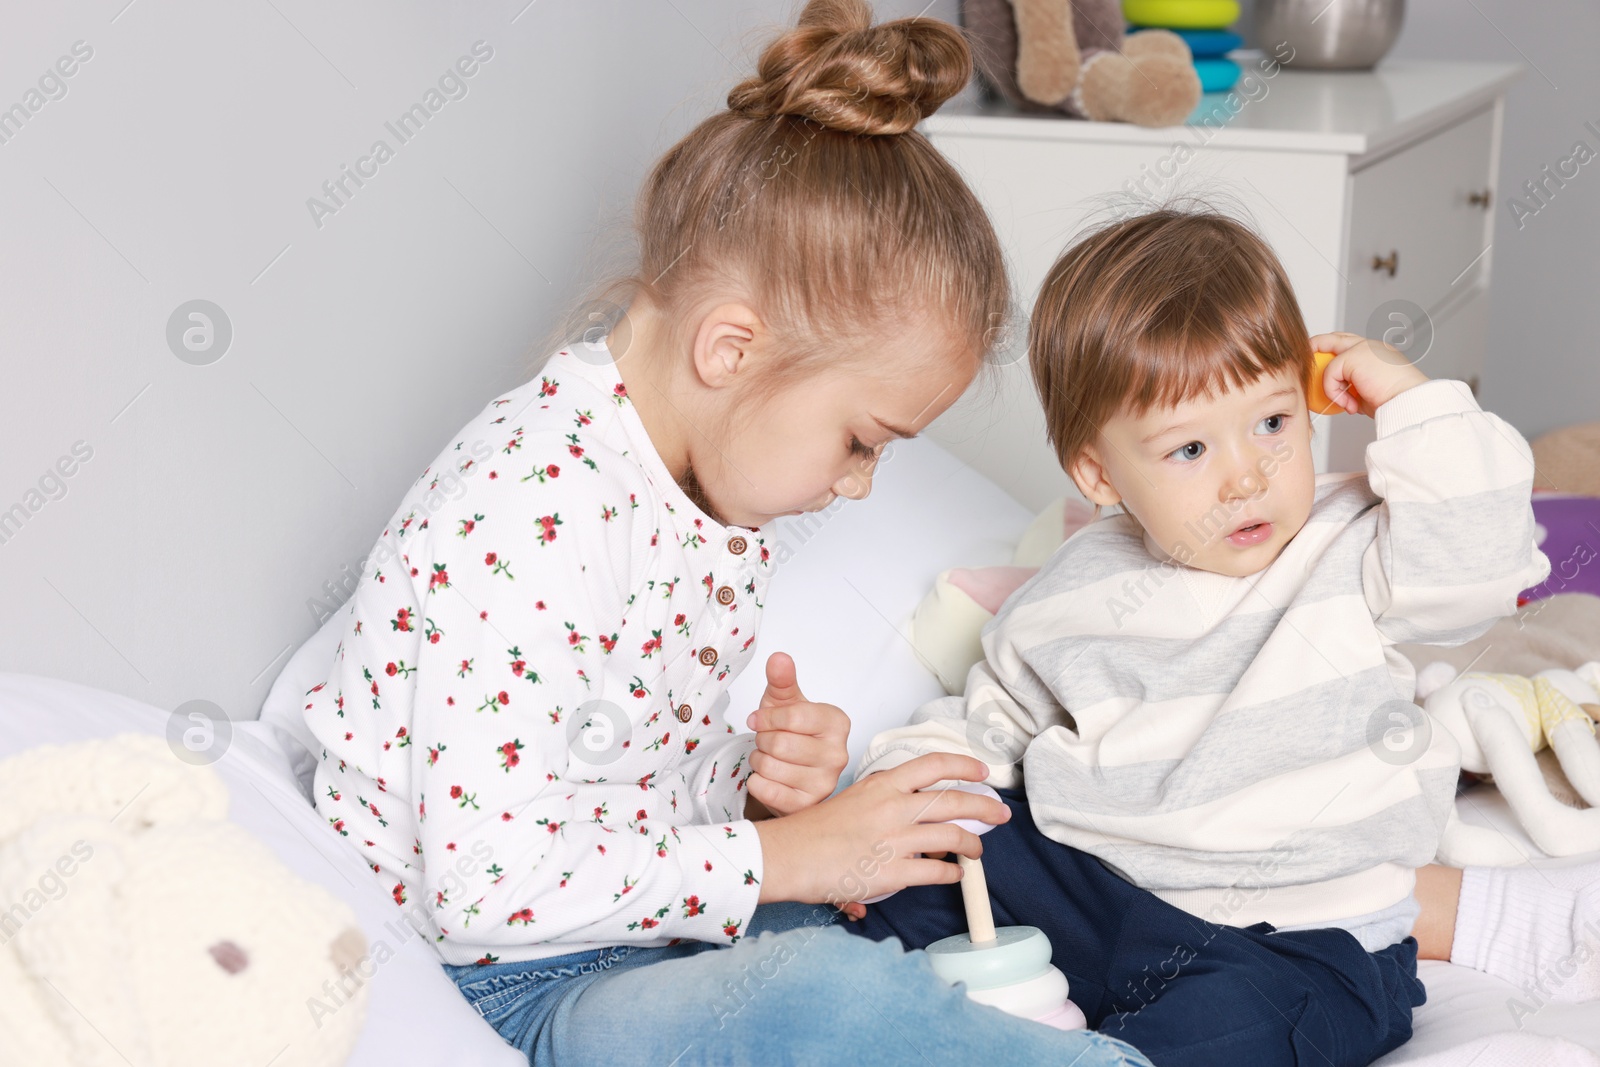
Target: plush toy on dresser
[{"x": 1074, "y": 56}]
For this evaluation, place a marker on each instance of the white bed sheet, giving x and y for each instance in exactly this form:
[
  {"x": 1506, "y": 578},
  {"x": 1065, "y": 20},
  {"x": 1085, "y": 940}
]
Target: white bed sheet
[{"x": 1463, "y": 1004}]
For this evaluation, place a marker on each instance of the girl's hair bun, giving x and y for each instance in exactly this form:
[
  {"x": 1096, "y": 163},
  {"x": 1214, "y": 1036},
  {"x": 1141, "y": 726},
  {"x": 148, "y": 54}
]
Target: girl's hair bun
[{"x": 837, "y": 69}]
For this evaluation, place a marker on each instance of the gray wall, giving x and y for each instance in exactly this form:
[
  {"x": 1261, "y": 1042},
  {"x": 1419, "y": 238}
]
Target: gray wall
[
  {"x": 1542, "y": 370},
  {"x": 175, "y": 164}
]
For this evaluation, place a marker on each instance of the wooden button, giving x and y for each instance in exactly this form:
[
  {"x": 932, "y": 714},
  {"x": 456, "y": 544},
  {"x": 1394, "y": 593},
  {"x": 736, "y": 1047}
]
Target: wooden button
[
  {"x": 685, "y": 713},
  {"x": 737, "y": 545},
  {"x": 725, "y": 595},
  {"x": 708, "y": 656}
]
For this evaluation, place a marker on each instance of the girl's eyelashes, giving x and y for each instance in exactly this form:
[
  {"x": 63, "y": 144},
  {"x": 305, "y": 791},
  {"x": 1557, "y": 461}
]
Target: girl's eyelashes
[
  {"x": 1187, "y": 453},
  {"x": 859, "y": 449}
]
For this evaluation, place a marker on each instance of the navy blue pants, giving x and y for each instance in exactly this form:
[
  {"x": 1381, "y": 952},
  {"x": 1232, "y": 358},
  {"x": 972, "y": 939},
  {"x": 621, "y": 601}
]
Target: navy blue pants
[{"x": 1183, "y": 991}]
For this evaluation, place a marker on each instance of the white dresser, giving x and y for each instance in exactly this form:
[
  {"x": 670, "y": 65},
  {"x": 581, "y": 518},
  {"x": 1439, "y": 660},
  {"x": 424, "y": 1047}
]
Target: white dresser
[{"x": 1375, "y": 188}]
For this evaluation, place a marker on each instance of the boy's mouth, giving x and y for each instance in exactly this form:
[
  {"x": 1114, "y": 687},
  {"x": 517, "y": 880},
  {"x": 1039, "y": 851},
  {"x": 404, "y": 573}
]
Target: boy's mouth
[{"x": 1251, "y": 534}]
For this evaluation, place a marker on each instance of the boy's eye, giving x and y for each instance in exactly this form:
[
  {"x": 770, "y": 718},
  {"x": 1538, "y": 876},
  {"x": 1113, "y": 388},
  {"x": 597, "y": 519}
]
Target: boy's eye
[
  {"x": 859, "y": 449},
  {"x": 1274, "y": 424},
  {"x": 1187, "y": 453}
]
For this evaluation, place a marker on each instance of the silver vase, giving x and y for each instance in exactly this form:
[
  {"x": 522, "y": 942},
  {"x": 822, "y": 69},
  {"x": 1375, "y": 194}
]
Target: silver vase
[{"x": 1329, "y": 34}]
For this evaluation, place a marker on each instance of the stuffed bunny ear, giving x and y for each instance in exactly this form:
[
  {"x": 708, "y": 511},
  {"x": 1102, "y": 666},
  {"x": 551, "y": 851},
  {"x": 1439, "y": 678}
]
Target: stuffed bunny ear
[
  {"x": 134, "y": 778},
  {"x": 1433, "y": 677},
  {"x": 67, "y": 939}
]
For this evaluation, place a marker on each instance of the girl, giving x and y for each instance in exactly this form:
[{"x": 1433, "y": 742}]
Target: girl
[{"x": 521, "y": 729}]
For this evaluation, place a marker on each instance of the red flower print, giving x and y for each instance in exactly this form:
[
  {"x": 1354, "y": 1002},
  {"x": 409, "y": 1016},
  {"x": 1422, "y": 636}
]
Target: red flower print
[
  {"x": 620, "y": 389},
  {"x": 552, "y": 471},
  {"x": 399, "y": 892},
  {"x": 652, "y": 646},
  {"x": 641, "y": 815},
  {"x": 547, "y": 528},
  {"x": 402, "y": 620},
  {"x": 390, "y": 670},
  {"x": 678, "y": 621},
  {"x": 489, "y": 559},
  {"x": 509, "y": 756},
  {"x": 525, "y": 916},
  {"x": 692, "y": 907},
  {"x": 455, "y": 792}
]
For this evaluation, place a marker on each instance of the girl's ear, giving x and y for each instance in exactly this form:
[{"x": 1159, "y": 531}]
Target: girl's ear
[
  {"x": 1088, "y": 473},
  {"x": 723, "y": 343}
]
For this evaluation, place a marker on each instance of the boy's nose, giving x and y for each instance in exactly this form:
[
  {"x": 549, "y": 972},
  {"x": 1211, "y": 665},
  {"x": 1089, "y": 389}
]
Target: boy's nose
[{"x": 1242, "y": 483}]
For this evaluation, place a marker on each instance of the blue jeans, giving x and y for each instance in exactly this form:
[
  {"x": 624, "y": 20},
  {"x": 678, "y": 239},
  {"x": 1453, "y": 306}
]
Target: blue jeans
[{"x": 796, "y": 989}]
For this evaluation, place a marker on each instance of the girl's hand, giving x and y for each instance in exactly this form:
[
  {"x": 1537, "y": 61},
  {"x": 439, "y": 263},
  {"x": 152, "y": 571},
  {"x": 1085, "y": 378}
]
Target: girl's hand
[
  {"x": 800, "y": 745},
  {"x": 1364, "y": 374},
  {"x": 866, "y": 840}
]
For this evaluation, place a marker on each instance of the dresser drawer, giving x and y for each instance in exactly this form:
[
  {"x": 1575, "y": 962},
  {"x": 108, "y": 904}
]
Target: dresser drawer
[{"x": 1413, "y": 212}]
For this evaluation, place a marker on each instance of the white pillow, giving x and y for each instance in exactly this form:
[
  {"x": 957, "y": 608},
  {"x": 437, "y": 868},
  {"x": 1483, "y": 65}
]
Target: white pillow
[{"x": 847, "y": 581}]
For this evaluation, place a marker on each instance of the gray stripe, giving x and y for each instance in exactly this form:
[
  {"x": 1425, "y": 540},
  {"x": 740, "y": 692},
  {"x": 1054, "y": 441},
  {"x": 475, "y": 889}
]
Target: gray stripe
[
  {"x": 1313, "y": 727},
  {"x": 1460, "y": 541},
  {"x": 1084, "y": 670}
]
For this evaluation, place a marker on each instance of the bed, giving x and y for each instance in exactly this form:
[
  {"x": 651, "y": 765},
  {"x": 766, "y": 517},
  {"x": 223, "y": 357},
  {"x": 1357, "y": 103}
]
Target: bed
[{"x": 863, "y": 566}]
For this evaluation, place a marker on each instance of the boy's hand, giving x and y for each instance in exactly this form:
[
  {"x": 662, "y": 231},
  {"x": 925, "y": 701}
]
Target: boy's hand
[
  {"x": 1364, "y": 374},
  {"x": 800, "y": 745}
]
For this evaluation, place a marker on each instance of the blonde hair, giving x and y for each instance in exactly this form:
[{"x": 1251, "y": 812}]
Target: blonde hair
[
  {"x": 1154, "y": 310},
  {"x": 814, "y": 197}
]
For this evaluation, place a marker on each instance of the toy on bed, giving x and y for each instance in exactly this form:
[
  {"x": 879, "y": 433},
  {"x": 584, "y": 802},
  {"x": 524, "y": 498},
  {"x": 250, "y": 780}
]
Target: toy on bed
[
  {"x": 1075, "y": 56},
  {"x": 945, "y": 626},
  {"x": 1007, "y": 967},
  {"x": 1500, "y": 722},
  {"x": 146, "y": 929}
]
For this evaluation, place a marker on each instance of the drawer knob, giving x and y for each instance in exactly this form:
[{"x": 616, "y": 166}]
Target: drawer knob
[
  {"x": 1391, "y": 263},
  {"x": 1483, "y": 199}
]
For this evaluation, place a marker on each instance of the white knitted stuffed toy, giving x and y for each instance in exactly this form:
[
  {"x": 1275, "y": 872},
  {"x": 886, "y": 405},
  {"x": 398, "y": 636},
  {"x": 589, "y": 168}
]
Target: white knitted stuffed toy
[
  {"x": 141, "y": 927},
  {"x": 1501, "y": 721}
]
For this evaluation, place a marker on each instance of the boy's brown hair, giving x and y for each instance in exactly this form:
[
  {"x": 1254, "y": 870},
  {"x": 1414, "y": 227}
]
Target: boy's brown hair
[{"x": 1154, "y": 310}]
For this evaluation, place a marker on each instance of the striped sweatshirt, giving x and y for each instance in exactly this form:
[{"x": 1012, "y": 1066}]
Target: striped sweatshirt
[{"x": 1247, "y": 747}]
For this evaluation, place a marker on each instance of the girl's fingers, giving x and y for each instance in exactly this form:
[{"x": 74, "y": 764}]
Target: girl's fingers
[
  {"x": 817, "y": 720},
  {"x": 778, "y": 797},
  {"x": 929, "y": 872},
  {"x": 940, "y": 837},
  {"x": 933, "y": 806},
  {"x": 795, "y": 775},
  {"x": 804, "y": 751},
  {"x": 931, "y": 767}
]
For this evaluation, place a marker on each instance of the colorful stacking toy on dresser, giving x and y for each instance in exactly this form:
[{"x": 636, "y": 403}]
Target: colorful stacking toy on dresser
[{"x": 1203, "y": 25}]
